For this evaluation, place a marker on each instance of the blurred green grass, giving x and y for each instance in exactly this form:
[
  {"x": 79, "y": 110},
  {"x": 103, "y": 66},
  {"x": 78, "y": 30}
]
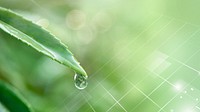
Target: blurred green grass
[{"x": 140, "y": 55}]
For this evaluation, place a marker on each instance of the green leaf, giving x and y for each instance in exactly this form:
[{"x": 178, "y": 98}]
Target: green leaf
[
  {"x": 38, "y": 38},
  {"x": 3, "y": 108},
  {"x": 12, "y": 100}
]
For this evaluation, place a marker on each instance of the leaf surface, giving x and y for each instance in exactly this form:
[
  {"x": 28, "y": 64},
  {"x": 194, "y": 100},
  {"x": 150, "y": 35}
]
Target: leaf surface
[
  {"x": 38, "y": 38},
  {"x": 12, "y": 100}
]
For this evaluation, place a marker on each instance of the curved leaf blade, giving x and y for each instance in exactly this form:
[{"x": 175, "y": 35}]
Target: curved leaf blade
[
  {"x": 38, "y": 38},
  {"x": 12, "y": 100}
]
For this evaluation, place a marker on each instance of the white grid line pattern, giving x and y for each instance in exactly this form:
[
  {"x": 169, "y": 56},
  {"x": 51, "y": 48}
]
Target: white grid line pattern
[
  {"x": 174, "y": 71},
  {"x": 188, "y": 83},
  {"x": 177, "y": 31},
  {"x": 141, "y": 48},
  {"x": 132, "y": 53},
  {"x": 174, "y": 51},
  {"x": 144, "y": 94},
  {"x": 114, "y": 98},
  {"x": 129, "y": 43},
  {"x": 119, "y": 100},
  {"x": 88, "y": 102}
]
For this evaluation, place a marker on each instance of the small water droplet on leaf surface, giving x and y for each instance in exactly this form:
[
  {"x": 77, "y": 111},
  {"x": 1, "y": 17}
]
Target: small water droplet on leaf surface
[{"x": 80, "y": 81}]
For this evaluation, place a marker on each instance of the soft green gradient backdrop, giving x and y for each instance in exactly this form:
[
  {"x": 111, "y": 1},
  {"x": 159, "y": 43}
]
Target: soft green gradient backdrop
[{"x": 140, "y": 55}]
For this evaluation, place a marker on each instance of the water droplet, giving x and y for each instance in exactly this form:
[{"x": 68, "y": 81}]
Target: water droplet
[
  {"x": 80, "y": 81},
  {"x": 192, "y": 89},
  {"x": 181, "y": 97}
]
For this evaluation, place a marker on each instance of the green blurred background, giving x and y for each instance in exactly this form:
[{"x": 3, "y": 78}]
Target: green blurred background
[{"x": 140, "y": 55}]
